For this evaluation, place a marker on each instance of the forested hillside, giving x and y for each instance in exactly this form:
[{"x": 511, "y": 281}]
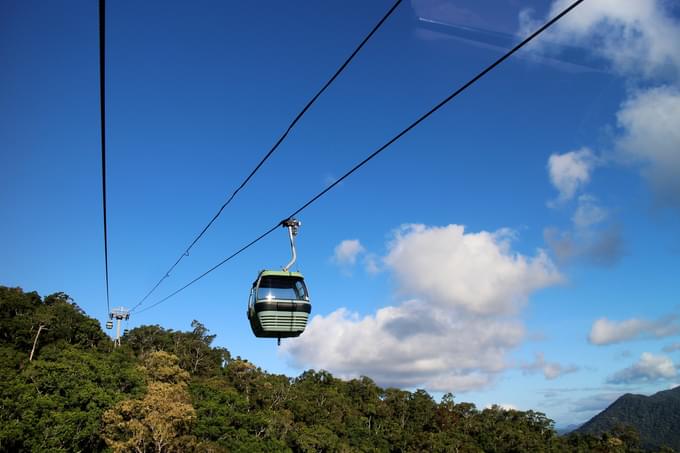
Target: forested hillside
[
  {"x": 171, "y": 391},
  {"x": 656, "y": 417}
]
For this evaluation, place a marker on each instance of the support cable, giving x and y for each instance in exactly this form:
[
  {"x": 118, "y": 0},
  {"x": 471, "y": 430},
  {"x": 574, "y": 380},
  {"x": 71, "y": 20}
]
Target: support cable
[
  {"x": 102, "y": 109},
  {"x": 272, "y": 149},
  {"x": 383, "y": 147}
]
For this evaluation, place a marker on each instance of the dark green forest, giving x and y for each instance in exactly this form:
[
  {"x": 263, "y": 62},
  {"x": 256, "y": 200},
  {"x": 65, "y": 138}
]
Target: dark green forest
[
  {"x": 65, "y": 388},
  {"x": 657, "y": 417}
]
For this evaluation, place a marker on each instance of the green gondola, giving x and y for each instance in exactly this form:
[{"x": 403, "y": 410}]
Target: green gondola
[{"x": 279, "y": 305}]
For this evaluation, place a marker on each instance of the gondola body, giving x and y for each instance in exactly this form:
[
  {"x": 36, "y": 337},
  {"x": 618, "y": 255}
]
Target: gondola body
[{"x": 279, "y": 304}]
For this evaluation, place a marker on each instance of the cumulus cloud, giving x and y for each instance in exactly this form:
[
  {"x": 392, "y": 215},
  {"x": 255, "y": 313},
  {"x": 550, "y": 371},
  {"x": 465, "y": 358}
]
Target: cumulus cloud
[
  {"x": 649, "y": 368},
  {"x": 372, "y": 263},
  {"x": 602, "y": 247},
  {"x": 589, "y": 212},
  {"x": 637, "y": 37},
  {"x": 472, "y": 272},
  {"x": 651, "y": 136},
  {"x": 413, "y": 344},
  {"x": 550, "y": 370},
  {"x": 570, "y": 171},
  {"x": 605, "y": 331},
  {"x": 347, "y": 251},
  {"x": 591, "y": 239},
  {"x": 457, "y": 330}
]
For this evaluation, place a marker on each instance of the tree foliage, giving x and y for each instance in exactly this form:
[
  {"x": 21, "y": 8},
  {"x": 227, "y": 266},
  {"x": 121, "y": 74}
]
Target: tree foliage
[
  {"x": 173, "y": 391},
  {"x": 161, "y": 420},
  {"x": 193, "y": 349}
]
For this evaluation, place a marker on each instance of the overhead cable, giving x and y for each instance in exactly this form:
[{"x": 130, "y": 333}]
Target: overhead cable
[
  {"x": 271, "y": 150},
  {"x": 102, "y": 109},
  {"x": 385, "y": 146}
]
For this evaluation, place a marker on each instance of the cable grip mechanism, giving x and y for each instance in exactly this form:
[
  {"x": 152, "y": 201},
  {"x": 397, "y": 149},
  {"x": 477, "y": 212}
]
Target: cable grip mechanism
[{"x": 293, "y": 226}]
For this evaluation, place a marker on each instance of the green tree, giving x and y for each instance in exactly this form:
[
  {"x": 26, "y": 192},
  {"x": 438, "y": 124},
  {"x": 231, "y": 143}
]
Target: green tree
[
  {"x": 16, "y": 317},
  {"x": 161, "y": 420},
  {"x": 195, "y": 352},
  {"x": 169, "y": 390},
  {"x": 56, "y": 402},
  {"x": 193, "y": 349}
]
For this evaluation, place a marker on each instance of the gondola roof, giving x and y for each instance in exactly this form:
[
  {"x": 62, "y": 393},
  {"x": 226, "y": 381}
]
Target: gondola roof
[{"x": 275, "y": 273}]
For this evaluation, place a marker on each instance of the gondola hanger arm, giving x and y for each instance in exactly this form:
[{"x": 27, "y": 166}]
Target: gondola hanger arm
[{"x": 293, "y": 226}]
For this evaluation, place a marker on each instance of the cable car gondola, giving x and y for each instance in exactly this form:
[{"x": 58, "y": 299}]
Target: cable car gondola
[{"x": 279, "y": 304}]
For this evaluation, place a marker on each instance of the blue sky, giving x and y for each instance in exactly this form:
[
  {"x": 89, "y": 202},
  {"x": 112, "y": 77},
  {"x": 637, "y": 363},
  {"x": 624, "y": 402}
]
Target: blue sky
[{"x": 519, "y": 247}]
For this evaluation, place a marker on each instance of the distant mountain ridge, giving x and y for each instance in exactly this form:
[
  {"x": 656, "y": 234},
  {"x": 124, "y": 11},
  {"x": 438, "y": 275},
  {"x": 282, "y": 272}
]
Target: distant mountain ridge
[
  {"x": 656, "y": 417},
  {"x": 568, "y": 429}
]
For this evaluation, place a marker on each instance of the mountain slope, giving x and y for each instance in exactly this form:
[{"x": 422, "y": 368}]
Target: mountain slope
[{"x": 656, "y": 417}]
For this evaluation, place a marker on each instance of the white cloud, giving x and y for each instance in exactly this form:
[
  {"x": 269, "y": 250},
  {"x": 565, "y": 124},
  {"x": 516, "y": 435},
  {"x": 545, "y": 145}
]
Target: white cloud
[
  {"x": 413, "y": 344},
  {"x": 638, "y": 37},
  {"x": 640, "y": 40},
  {"x": 602, "y": 247},
  {"x": 473, "y": 272},
  {"x": 550, "y": 370},
  {"x": 372, "y": 264},
  {"x": 651, "y": 136},
  {"x": 649, "y": 368},
  {"x": 589, "y": 239},
  {"x": 605, "y": 331},
  {"x": 347, "y": 251},
  {"x": 570, "y": 171},
  {"x": 589, "y": 212},
  {"x": 455, "y": 335}
]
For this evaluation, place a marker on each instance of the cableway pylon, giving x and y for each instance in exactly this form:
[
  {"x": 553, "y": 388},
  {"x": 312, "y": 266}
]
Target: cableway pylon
[{"x": 119, "y": 314}]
